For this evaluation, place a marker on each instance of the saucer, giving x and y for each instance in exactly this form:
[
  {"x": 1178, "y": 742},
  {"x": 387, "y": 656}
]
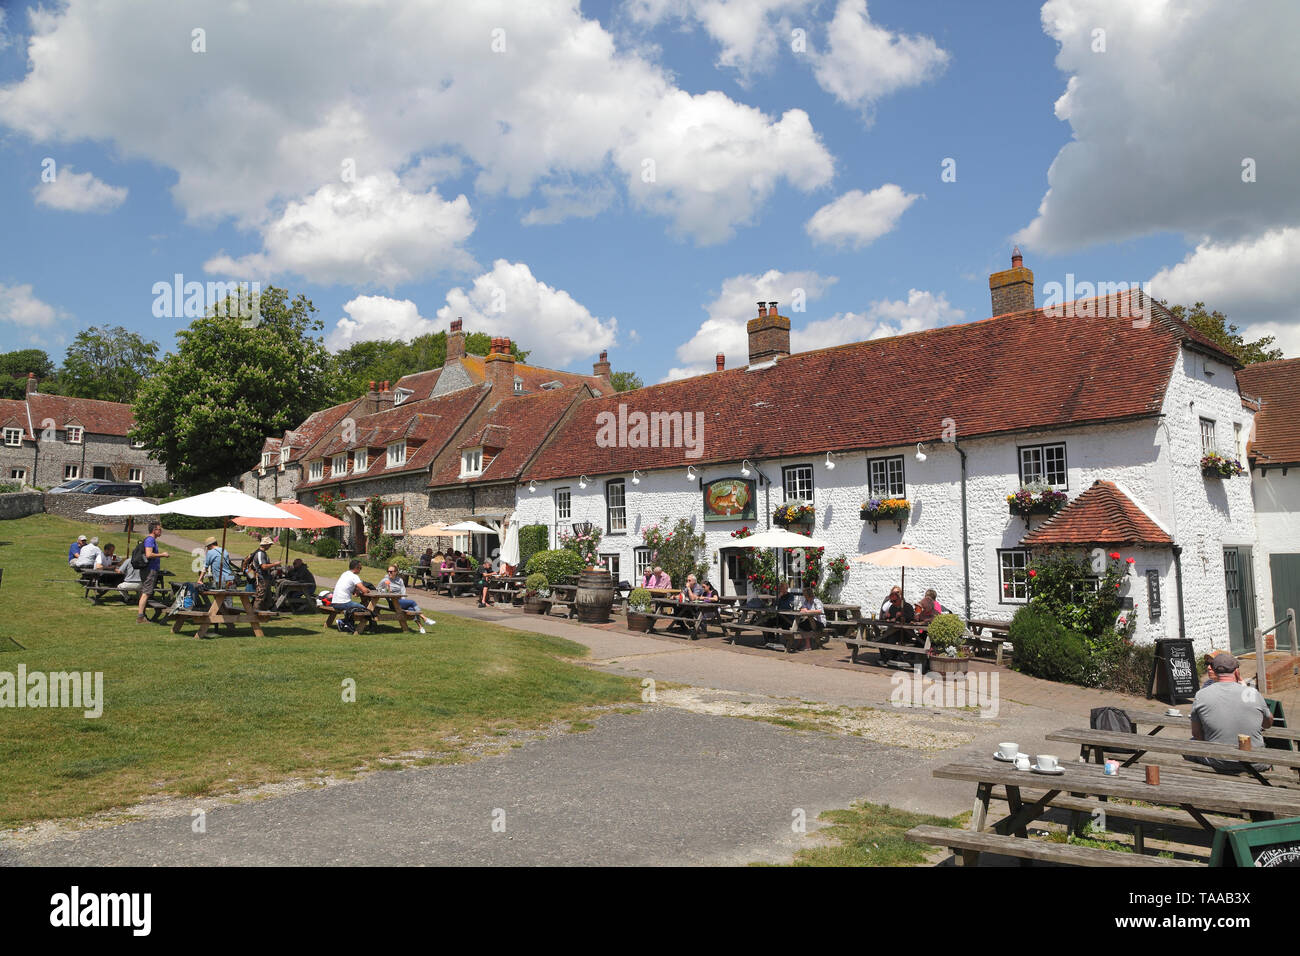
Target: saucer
[
  {"x": 998, "y": 756},
  {"x": 1052, "y": 773},
  {"x": 1173, "y": 712}
]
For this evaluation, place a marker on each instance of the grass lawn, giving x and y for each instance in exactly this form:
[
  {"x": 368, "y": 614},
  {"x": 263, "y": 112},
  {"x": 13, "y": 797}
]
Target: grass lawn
[
  {"x": 871, "y": 834},
  {"x": 187, "y": 717}
]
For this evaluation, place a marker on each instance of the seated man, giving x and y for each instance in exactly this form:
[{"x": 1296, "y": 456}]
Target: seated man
[
  {"x": 392, "y": 583},
  {"x": 349, "y": 583},
  {"x": 896, "y": 609},
  {"x": 300, "y": 572},
  {"x": 130, "y": 579},
  {"x": 691, "y": 591},
  {"x": 930, "y": 608},
  {"x": 784, "y": 599},
  {"x": 74, "y": 550},
  {"x": 662, "y": 580},
  {"x": 812, "y": 617},
  {"x": 108, "y": 559},
  {"x": 1228, "y": 708},
  {"x": 89, "y": 556},
  {"x": 426, "y": 559}
]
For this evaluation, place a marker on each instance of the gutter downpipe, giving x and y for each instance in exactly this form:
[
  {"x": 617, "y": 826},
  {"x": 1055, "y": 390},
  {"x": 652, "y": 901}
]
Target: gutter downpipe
[
  {"x": 1178, "y": 580},
  {"x": 965, "y": 539}
]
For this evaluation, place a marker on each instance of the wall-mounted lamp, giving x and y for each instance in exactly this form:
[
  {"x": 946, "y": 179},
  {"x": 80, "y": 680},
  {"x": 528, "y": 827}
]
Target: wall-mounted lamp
[
  {"x": 582, "y": 481},
  {"x": 690, "y": 473},
  {"x": 744, "y": 468},
  {"x": 532, "y": 487},
  {"x": 920, "y": 455},
  {"x": 830, "y": 465},
  {"x": 636, "y": 477}
]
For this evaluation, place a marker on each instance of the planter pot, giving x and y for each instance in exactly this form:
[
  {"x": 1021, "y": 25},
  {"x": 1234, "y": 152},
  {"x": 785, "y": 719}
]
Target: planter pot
[
  {"x": 875, "y": 517},
  {"x": 1034, "y": 509},
  {"x": 536, "y": 605},
  {"x": 942, "y": 664},
  {"x": 636, "y": 621}
]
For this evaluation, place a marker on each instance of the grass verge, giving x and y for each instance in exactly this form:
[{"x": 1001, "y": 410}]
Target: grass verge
[{"x": 871, "y": 834}]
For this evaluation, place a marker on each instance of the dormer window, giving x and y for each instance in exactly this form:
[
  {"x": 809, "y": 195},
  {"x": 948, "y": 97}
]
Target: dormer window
[
  {"x": 74, "y": 434},
  {"x": 266, "y": 459},
  {"x": 402, "y": 394},
  {"x": 519, "y": 385},
  {"x": 317, "y": 470},
  {"x": 360, "y": 459},
  {"x": 397, "y": 454},
  {"x": 339, "y": 466},
  {"x": 284, "y": 455},
  {"x": 14, "y": 437},
  {"x": 471, "y": 462}
]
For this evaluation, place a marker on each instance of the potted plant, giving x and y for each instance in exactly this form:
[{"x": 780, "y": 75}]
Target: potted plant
[
  {"x": 537, "y": 594},
  {"x": 1214, "y": 465},
  {"x": 876, "y": 510},
  {"x": 795, "y": 512},
  {"x": 639, "y": 603},
  {"x": 947, "y": 655},
  {"x": 1036, "y": 500}
]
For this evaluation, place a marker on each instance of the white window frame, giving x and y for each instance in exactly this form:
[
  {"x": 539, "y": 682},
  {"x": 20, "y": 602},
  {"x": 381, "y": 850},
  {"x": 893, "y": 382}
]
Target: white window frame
[
  {"x": 18, "y": 474},
  {"x": 135, "y": 474},
  {"x": 360, "y": 460},
  {"x": 71, "y": 471},
  {"x": 1039, "y": 471},
  {"x": 335, "y": 468},
  {"x": 70, "y": 430},
  {"x": 1236, "y": 441},
  {"x": 316, "y": 470},
  {"x": 471, "y": 462},
  {"x": 400, "y": 395},
  {"x": 563, "y": 513},
  {"x": 284, "y": 455},
  {"x": 791, "y": 572},
  {"x": 615, "y": 514},
  {"x": 797, "y": 483},
  {"x": 610, "y": 562},
  {"x": 519, "y": 385},
  {"x": 1208, "y": 432},
  {"x": 1012, "y": 560},
  {"x": 266, "y": 459},
  {"x": 886, "y": 474},
  {"x": 641, "y": 563},
  {"x": 394, "y": 519},
  {"x": 397, "y": 454},
  {"x": 10, "y": 434}
]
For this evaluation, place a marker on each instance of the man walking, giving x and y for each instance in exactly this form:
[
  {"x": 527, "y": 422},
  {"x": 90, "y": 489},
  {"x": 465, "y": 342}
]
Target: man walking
[{"x": 152, "y": 569}]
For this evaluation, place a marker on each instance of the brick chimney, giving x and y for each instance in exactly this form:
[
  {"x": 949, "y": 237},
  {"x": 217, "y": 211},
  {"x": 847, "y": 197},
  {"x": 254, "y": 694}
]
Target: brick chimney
[
  {"x": 372, "y": 398},
  {"x": 722, "y": 361},
  {"x": 601, "y": 369},
  {"x": 384, "y": 398},
  {"x": 499, "y": 365},
  {"x": 455, "y": 342},
  {"x": 1013, "y": 289},
  {"x": 769, "y": 335},
  {"x": 31, "y": 384}
]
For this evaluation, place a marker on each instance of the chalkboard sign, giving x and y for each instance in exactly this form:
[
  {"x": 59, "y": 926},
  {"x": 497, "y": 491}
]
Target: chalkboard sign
[
  {"x": 1267, "y": 844},
  {"x": 1173, "y": 672},
  {"x": 1153, "y": 595}
]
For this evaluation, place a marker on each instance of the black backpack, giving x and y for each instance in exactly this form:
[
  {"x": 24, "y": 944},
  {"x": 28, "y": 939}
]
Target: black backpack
[
  {"x": 138, "y": 560},
  {"x": 1114, "y": 719}
]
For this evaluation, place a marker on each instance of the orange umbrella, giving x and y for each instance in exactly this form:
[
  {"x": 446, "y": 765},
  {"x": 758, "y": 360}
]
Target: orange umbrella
[{"x": 306, "y": 518}]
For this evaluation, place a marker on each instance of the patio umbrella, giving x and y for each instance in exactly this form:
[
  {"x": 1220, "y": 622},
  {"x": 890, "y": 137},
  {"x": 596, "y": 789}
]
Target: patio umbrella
[
  {"x": 435, "y": 530},
  {"x": 902, "y": 556},
  {"x": 226, "y": 503},
  {"x": 510, "y": 547},
  {"x": 128, "y": 508},
  {"x": 306, "y": 518},
  {"x": 780, "y": 538}
]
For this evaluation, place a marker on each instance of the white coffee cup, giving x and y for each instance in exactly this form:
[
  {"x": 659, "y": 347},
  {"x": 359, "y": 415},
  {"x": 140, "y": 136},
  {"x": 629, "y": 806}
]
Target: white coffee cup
[
  {"x": 1022, "y": 762},
  {"x": 1173, "y": 712},
  {"x": 1009, "y": 750},
  {"x": 1046, "y": 762}
]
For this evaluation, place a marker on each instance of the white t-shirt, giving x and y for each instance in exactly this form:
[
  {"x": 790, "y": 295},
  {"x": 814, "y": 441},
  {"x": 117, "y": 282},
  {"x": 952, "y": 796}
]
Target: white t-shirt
[
  {"x": 89, "y": 555},
  {"x": 346, "y": 585}
]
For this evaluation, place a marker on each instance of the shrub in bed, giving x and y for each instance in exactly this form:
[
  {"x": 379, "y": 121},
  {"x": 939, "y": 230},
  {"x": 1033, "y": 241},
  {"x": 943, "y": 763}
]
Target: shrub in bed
[
  {"x": 556, "y": 565},
  {"x": 946, "y": 630},
  {"x": 1046, "y": 648},
  {"x": 536, "y": 582},
  {"x": 327, "y": 548}
]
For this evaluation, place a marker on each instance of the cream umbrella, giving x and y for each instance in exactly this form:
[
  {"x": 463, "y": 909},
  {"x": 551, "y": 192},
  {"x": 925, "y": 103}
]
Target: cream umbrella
[
  {"x": 902, "y": 556},
  {"x": 435, "y": 530},
  {"x": 780, "y": 538},
  {"x": 128, "y": 508},
  {"x": 227, "y": 503}
]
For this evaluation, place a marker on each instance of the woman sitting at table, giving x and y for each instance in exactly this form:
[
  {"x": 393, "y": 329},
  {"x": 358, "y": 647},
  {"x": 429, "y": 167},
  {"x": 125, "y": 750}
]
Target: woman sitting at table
[
  {"x": 392, "y": 583},
  {"x": 929, "y": 608}
]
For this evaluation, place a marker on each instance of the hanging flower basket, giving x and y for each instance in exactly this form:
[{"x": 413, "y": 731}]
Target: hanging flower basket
[
  {"x": 877, "y": 510},
  {"x": 787, "y": 515},
  {"x": 1031, "y": 501},
  {"x": 1215, "y": 465}
]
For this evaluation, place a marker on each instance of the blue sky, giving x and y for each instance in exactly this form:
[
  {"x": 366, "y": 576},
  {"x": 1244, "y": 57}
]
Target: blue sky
[{"x": 508, "y": 185}]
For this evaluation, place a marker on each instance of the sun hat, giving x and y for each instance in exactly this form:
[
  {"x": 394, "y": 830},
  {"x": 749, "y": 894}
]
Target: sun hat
[
  {"x": 81, "y": 537},
  {"x": 209, "y": 541},
  {"x": 265, "y": 543}
]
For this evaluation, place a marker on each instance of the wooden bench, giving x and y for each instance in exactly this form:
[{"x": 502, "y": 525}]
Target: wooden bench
[
  {"x": 856, "y": 644},
  {"x": 967, "y": 845},
  {"x": 786, "y": 637},
  {"x": 362, "y": 617},
  {"x": 512, "y": 596},
  {"x": 994, "y": 633}
]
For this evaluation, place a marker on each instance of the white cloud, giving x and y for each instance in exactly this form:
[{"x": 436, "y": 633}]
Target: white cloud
[
  {"x": 751, "y": 33},
  {"x": 18, "y": 305},
  {"x": 737, "y": 303},
  {"x": 78, "y": 192},
  {"x": 866, "y": 62},
  {"x": 372, "y": 317},
  {"x": 548, "y": 322},
  {"x": 1162, "y": 120},
  {"x": 371, "y": 232},
  {"x": 859, "y": 218},
  {"x": 568, "y": 201},
  {"x": 259, "y": 121},
  {"x": 885, "y": 317},
  {"x": 1254, "y": 282}
]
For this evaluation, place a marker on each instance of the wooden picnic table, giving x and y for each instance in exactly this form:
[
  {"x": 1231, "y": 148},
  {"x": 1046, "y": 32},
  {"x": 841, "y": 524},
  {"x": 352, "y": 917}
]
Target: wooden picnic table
[
  {"x": 1195, "y": 794},
  {"x": 999, "y": 633},
  {"x": 563, "y": 596},
  {"x": 784, "y": 635},
  {"x": 454, "y": 581},
  {"x": 293, "y": 595},
  {"x": 1097, "y": 742},
  {"x": 218, "y": 614},
  {"x": 1184, "y": 722},
  {"x": 371, "y": 612},
  {"x": 692, "y": 616},
  {"x": 872, "y": 632}
]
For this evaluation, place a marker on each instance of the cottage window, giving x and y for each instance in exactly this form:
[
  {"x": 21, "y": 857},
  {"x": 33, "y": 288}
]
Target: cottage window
[
  {"x": 886, "y": 478},
  {"x": 135, "y": 474},
  {"x": 610, "y": 563},
  {"x": 14, "y": 437},
  {"x": 1043, "y": 465},
  {"x": 519, "y": 385},
  {"x": 1208, "y": 444},
  {"x": 284, "y": 455},
  {"x": 393, "y": 518},
  {"x": 563, "y": 505},
  {"x": 1236, "y": 440},
  {"x": 71, "y": 471},
  {"x": 18, "y": 474},
  {"x": 266, "y": 459},
  {"x": 641, "y": 564},
  {"x": 339, "y": 466},
  {"x": 317, "y": 471},
  {"x": 1013, "y": 577},
  {"x": 74, "y": 434},
  {"x": 797, "y": 482},
  {"x": 360, "y": 460},
  {"x": 397, "y": 454},
  {"x": 471, "y": 462},
  {"x": 615, "y": 507}
]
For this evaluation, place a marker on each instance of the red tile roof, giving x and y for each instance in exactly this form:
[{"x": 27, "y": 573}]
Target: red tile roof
[
  {"x": 318, "y": 424},
  {"x": 96, "y": 417},
  {"x": 419, "y": 383},
  {"x": 1015, "y": 372},
  {"x": 534, "y": 376},
  {"x": 13, "y": 414},
  {"x": 1101, "y": 515},
  {"x": 1276, "y": 439},
  {"x": 516, "y": 425}
]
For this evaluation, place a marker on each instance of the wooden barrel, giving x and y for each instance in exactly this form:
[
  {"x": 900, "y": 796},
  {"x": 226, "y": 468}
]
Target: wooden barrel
[{"x": 594, "y": 598}]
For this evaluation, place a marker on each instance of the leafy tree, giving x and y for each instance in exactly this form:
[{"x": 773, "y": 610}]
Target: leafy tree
[
  {"x": 1216, "y": 326},
  {"x": 626, "y": 381},
  {"x": 14, "y": 367},
  {"x": 208, "y": 407},
  {"x": 107, "y": 364}
]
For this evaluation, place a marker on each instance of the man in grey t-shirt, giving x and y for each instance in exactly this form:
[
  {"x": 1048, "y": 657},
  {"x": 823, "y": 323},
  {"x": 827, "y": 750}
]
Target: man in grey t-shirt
[{"x": 1227, "y": 708}]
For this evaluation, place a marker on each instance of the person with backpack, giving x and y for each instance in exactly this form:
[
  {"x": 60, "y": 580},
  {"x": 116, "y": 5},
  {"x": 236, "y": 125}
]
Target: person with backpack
[
  {"x": 147, "y": 559},
  {"x": 216, "y": 565},
  {"x": 264, "y": 568}
]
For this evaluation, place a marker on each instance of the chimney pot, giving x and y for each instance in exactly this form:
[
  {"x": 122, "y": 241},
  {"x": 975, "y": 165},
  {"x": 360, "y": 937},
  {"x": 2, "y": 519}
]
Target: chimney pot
[
  {"x": 601, "y": 369},
  {"x": 372, "y": 385},
  {"x": 455, "y": 325},
  {"x": 722, "y": 361},
  {"x": 455, "y": 342},
  {"x": 1017, "y": 260},
  {"x": 769, "y": 335},
  {"x": 762, "y": 310},
  {"x": 1012, "y": 290},
  {"x": 771, "y": 309}
]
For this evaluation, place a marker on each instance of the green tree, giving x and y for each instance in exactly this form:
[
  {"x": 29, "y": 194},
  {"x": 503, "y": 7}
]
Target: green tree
[
  {"x": 107, "y": 364},
  {"x": 209, "y": 406},
  {"x": 1216, "y": 326},
  {"x": 626, "y": 381},
  {"x": 14, "y": 367}
]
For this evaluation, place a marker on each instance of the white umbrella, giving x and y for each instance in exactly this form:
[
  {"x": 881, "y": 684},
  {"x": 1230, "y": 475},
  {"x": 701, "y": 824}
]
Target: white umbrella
[
  {"x": 780, "y": 538},
  {"x": 128, "y": 508},
  {"x": 227, "y": 503},
  {"x": 510, "y": 547},
  {"x": 469, "y": 527}
]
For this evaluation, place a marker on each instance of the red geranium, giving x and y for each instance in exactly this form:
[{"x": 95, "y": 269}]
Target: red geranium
[
  {"x": 1033, "y": 574},
  {"x": 1115, "y": 555}
]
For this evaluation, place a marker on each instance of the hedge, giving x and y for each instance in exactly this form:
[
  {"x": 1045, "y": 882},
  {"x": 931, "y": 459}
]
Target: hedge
[
  {"x": 532, "y": 538},
  {"x": 556, "y": 565},
  {"x": 1046, "y": 648}
]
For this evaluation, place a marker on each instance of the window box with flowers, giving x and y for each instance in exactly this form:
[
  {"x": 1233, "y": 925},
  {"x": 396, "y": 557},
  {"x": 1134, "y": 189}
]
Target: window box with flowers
[
  {"x": 877, "y": 510},
  {"x": 1214, "y": 465},
  {"x": 1036, "y": 500},
  {"x": 795, "y": 512}
]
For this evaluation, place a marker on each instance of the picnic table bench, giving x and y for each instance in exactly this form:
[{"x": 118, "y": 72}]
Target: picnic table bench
[
  {"x": 294, "y": 596},
  {"x": 1275, "y": 733},
  {"x": 563, "y": 596},
  {"x": 1097, "y": 742},
  {"x": 217, "y": 613},
  {"x": 693, "y": 616},
  {"x": 871, "y": 632},
  {"x": 999, "y": 634},
  {"x": 785, "y": 635},
  {"x": 453, "y": 582},
  {"x": 372, "y": 613}
]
